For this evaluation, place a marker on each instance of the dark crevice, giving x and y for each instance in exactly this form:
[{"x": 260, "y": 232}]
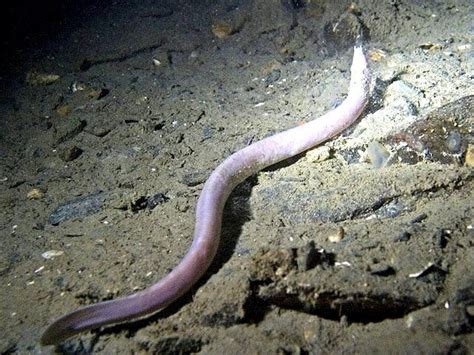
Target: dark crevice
[{"x": 355, "y": 308}]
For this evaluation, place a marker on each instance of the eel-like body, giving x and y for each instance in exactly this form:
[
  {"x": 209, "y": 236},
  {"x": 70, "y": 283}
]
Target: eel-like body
[{"x": 232, "y": 171}]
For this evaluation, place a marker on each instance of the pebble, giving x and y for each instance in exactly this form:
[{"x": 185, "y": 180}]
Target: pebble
[
  {"x": 454, "y": 142},
  {"x": 378, "y": 154},
  {"x": 470, "y": 310},
  {"x": 63, "y": 110},
  {"x": 337, "y": 236},
  {"x": 318, "y": 154},
  {"x": 78, "y": 207},
  {"x": 37, "y": 79},
  {"x": 71, "y": 153},
  {"x": 469, "y": 160},
  {"x": 377, "y": 55},
  {"x": 222, "y": 30},
  {"x": 52, "y": 253},
  {"x": 194, "y": 178},
  {"x": 35, "y": 194},
  {"x": 273, "y": 77},
  {"x": 155, "y": 200}
]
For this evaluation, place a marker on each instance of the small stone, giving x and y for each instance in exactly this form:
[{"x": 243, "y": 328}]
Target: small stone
[
  {"x": 318, "y": 154},
  {"x": 71, "y": 153},
  {"x": 454, "y": 142},
  {"x": 377, "y": 55},
  {"x": 337, "y": 236},
  {"x": 378, "y": 154},
  {"x": 470, "y": 310},
  {"x": 77, "y": 86},
  {"x": 52, "y": 253},
  {"x": 35, "y": 194},
  {"x": 431, "y": 46},
  {"x": 155, "y": 200},
  {"x": 419, "y": 218},
  {"x": 403, "y": 237},
  {"x": 310, "y": 334},
  {"x": 149, "y": 202},
  {"x": 142, "y": 100},
  {"x": 469, "y": 160},
  {"x": 194, "y": 178},
  {"x": 273, "y": 77},
  {"x": 98, "y": 93},
  {"x": 63, "y": 110},
  {"x": 78, "y": 207},
  {"x": 36, "y": 79},
  {"x": 222, "y": 29}
]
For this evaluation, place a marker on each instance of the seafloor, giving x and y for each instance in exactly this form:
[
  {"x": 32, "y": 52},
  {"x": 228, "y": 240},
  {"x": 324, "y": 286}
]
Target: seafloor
[{"x": 114, "y": 113}]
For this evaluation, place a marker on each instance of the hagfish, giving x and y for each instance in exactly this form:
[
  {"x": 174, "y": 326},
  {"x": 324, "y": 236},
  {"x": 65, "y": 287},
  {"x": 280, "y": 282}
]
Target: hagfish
[{"x": 232, "y": 171}]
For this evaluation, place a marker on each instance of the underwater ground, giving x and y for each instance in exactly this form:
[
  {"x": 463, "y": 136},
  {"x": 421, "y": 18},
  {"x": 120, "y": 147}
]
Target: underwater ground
[{"x": 114, "y": 114}]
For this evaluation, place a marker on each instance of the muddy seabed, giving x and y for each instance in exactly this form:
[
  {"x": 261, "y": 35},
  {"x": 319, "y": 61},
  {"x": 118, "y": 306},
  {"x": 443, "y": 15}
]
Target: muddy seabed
[{"x": 364, "y": 246}]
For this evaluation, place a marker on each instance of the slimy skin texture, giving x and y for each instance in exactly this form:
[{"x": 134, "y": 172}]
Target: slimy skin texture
[{"x": 235, "y": 169}]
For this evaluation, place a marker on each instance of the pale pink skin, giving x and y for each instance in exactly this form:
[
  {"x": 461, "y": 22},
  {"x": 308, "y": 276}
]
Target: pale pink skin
[{"x": 210, "y": 206}]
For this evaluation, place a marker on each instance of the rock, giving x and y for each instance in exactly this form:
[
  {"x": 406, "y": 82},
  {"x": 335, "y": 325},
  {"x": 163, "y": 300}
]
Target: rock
[
  {"x": 469, "y": 159},
  {"x": 337, "y": 236},
  {"x": 63, "y": 110},
  {"x": 50, "y": 254},
  {"x": 319, "y": 154},
  {"x": 333, "y": 291},
  {"x": 443, "y": 136},
  {"x": 78, "y": 207},
  {"x": 378, "y": 154},
  {"x": 37, "y": 79},
  {"x": 35, "y": 194},
  {"x": 71, "y": 153},
  {"x": 194, "y": 178},
  {"x": 329, "y": 200},
  {"x": 222, "y": 29}
]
